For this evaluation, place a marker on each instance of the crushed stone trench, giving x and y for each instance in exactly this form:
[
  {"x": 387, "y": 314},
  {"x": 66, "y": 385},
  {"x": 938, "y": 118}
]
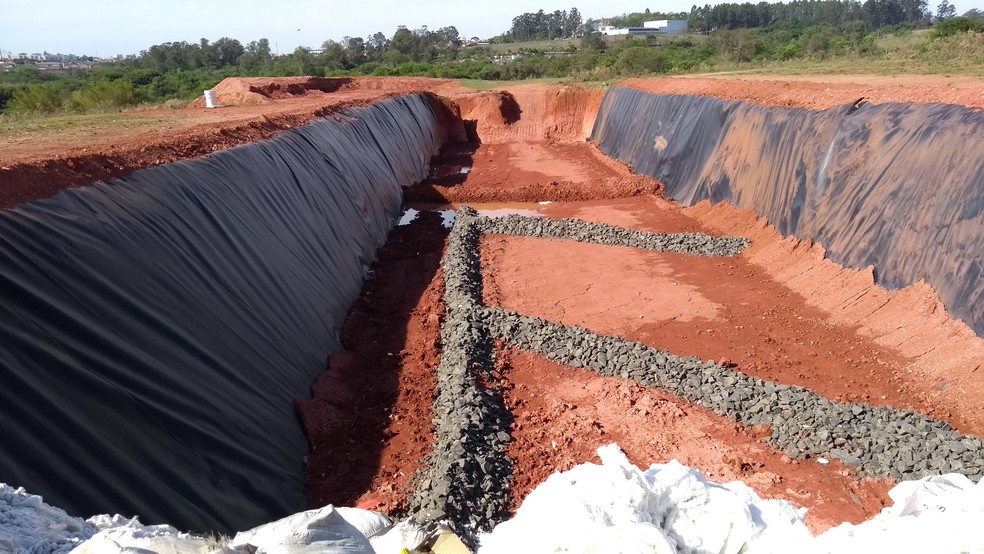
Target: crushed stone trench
[{"x": 819, "y": 355}]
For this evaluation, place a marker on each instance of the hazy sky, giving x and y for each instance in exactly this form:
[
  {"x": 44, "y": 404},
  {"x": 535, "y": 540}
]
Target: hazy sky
[{"x": 110, "y": 27}]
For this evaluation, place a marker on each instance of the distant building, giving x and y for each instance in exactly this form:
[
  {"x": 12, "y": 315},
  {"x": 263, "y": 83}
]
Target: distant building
[
  {"x": 50, "y": 66},
  {"x": 660, "y": 27},
  {"x": 635, "y": 31},
  {"x": 667, "y": 25}
]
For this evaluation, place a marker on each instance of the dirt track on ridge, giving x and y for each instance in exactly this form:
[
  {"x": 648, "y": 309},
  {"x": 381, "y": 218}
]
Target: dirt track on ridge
[{"x": 779, "y": 310}]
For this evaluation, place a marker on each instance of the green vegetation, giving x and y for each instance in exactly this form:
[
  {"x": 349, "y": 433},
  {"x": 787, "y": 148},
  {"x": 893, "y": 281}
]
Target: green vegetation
[
  {"x": 956, "y": 26},
  {"x": 543, "y": 26},
  {"x": 25, "y": 128},
  {"x": 821, "y": 36}
]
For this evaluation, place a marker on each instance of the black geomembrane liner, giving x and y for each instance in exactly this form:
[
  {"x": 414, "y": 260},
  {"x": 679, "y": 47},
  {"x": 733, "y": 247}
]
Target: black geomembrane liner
[
  {"x": 896, "y": 186},
  {"x": 156, "y": 329}
]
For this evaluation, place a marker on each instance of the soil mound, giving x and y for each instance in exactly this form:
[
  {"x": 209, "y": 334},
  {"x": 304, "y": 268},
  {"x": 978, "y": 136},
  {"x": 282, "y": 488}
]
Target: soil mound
[
  {"x": 819, "y": 93},
  {"x": 492, "y": 108},
  {"x": 257, "y": 91},
  {"x": 239, "y": 91},
  {"x": 399, "y": 84},
  {"x": 532, "y": 113}
]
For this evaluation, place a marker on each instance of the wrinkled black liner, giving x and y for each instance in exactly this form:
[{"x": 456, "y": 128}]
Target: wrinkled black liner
[
  {"x": 896, "y": 186},
  {"x": 155, "y": 329}
]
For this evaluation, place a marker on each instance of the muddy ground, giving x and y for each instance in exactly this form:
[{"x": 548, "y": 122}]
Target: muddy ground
[{"x": 778, "y": 311}]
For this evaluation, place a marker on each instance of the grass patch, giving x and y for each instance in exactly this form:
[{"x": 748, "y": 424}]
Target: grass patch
[
  {"x": 21, "y": 128},
  {"x": 481, "y": 84},
  {"x": 544, "y": 45}
]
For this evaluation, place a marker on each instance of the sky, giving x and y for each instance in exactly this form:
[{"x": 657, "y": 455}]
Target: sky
[{"x": 109, "y": 27}]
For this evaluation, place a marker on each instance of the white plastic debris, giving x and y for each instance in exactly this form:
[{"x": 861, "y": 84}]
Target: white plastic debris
[
  {"x": 119, "y": 535},
  {"x": 940, "y": 514},
  {"x": 406, "y": 534},
  {"x": 616, "y": 507},
  {"x": 324, "y": 530},
  {"x": 611, "y": 507},
  {"x": 27, "y": 524}
]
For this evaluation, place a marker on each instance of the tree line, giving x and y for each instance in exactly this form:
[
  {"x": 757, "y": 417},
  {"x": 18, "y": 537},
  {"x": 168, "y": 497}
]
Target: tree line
[
  {"x": 800, "y": 14},
  {"x": 735, "y": 34},
  {"x": 544, "y": 26}
]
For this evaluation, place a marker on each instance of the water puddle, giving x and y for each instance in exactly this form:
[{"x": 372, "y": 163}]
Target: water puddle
[
  {"x": 439, "y": 172},
  {"x": 408, "y": 216}
]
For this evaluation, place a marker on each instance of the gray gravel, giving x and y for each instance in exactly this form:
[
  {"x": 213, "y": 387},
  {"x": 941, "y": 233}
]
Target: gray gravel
[
  {"x": 881, "y": 441},
  {"x": 602, "y": 233},
  {"x": 466, "y": 481}
]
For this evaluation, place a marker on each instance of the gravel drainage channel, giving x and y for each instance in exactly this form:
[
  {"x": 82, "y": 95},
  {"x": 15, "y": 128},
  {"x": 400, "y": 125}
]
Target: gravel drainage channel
[
  {"x": 467, "y": 477},
  {"x": 466, "y": 480}
]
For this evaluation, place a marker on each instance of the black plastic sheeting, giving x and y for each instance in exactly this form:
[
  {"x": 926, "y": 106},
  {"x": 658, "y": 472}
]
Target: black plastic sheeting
[
  {"x": 155, "y": 329},
  {"x": 896, "y": 186}
]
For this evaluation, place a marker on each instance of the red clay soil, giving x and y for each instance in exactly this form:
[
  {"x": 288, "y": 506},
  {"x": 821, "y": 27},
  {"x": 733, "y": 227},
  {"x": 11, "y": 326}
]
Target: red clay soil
[
  {"x": 820, "y": 93},
  {"x": 563, "y": 415},
  {"x": 532, "y": 113},
  {"x": 757, "y": 313},
  {"x": 532, "y": 149},
  {"x": 43, "y": 164},
  {"x": 528, "y": 172},
  {"x": 726, "y": 309},
  {"x": 369, "y": 422},
  {"x": 946, "y": 357}
]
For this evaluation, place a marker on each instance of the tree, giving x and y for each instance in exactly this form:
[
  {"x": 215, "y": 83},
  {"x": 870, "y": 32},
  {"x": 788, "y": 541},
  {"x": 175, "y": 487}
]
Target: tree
[
  {"x": 957, "y": 25},
  {"x": 228, "y": 51},
  {"x": 355, "y": 50},
  {"x": 208, "y": 55},
  {"x": 573, "y": 27},
  {"x": 945, "y": 11},
  {"x": 448, "y": 37},
  {"x": 257, "y": 57},
  {"x": 376, "y": 45},
  {"x": 739, "y": 46},
  {"x": 818, "y": 43},
  {"x": 305, "y": 62},
  {"x": 404, "y": 42},
  {"x": 334, "y": 55},
  {"x": 592, "y": 41}
]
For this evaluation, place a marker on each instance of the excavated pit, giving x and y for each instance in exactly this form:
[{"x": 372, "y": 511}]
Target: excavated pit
[
  {"x": 476, "y": 362},
  {"x": 766, "y": 313}
]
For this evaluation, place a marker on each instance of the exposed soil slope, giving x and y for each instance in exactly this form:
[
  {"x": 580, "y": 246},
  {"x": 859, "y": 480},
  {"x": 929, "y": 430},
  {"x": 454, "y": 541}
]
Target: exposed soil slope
[
  {"x": 820, "y": 93},
  {"x": 38, "y": 165}
]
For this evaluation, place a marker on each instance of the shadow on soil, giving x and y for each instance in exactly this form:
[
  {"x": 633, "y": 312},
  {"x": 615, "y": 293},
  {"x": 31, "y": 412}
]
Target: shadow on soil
[
  {"x": 449, "y": 168},
  {"x": 347, "y": 419}
]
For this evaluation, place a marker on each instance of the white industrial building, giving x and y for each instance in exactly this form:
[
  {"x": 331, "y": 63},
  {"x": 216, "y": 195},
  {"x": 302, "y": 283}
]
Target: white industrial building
[
  {"x": 667, "y": 25},
  {"x": 660, "y": 27}
]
